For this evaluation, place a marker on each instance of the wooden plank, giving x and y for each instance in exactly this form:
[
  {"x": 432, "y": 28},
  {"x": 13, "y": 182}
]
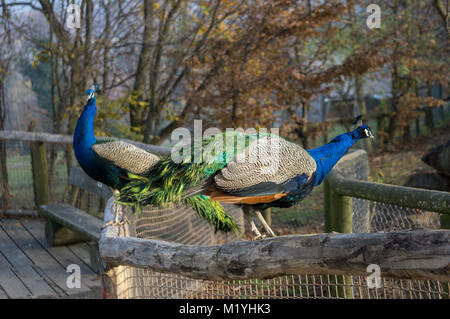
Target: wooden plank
[
  {"x": 40, "y": 257},
  {"x": 3, "y": 261},
  {"x": 3, "y": 294},
  {"x": 74, "y": 219},
  {"x": 11, "y": 251},
  {"x": 62, "y": 254},
  {"x": 17, "y": 258},
  {"x": 12, "y": 285},
  {"x": 81, "y": 250},
  {"x": 31, "y": 279},
  {"x": 35, "y": 283},
  {"x": 79, "y": 178}
]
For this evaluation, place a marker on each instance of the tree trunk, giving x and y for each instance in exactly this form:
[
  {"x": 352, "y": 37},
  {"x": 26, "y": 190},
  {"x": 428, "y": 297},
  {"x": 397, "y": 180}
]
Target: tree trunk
[
  {"x": 5, "y": 60},
  {"x": 362, "y": 108},
  {"x": 136, "y": 111},
  {"x": 5, "y": 193},
  {"x": 407, "y": 132},
  {"x": 429, "y": 119}
]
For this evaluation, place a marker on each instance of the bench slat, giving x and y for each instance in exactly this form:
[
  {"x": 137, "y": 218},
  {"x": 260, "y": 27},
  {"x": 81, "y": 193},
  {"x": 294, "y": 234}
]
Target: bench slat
[
  {"x": 74, "y": 219},
  {"x": 80, "y": 179}
]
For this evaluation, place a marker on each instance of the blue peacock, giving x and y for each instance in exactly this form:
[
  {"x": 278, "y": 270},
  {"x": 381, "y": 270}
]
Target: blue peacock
[{"x": 257, "y": 170}]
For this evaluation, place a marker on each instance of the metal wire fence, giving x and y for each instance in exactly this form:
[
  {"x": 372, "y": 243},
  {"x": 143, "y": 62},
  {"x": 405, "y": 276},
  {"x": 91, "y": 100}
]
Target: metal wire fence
[
  {"x": 20, "y": 179},
  {"x": 18, "y": 163},
  {"x": 367, "y": 216},
  {"x": 135, "y": 282},
  {"x": 184, "y": 227}
]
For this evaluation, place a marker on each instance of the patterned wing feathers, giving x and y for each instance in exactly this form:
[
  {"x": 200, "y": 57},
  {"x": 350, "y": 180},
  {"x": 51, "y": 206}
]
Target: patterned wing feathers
[
  {"x": 127, "y": 156},
  {"x": 269, "y": 159}
]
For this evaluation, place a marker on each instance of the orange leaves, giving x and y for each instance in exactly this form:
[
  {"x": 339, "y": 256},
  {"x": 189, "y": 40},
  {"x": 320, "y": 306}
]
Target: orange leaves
[{"x": 277, "y": 58}]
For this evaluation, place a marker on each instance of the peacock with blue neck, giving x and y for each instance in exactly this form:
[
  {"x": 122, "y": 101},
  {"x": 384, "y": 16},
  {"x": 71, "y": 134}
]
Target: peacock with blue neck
[{"x": 143, "y": 178}]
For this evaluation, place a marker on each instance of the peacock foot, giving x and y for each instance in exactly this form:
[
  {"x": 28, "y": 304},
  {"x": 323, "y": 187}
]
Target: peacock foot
[
  {"x": 266, "y": 226},
  {"x": 258, "y": 237},
  {"x": 116, "y": 223}
]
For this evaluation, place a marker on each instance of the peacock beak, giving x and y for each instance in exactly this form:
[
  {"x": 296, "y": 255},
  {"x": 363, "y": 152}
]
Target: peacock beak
[{"x": 90, "y": 96}]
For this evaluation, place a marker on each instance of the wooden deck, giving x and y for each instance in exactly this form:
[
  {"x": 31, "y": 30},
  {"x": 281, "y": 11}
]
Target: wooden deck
[{"x": 29, "y": 268}]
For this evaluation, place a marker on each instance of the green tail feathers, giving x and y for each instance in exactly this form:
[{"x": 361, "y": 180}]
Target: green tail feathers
[
  {"x": 207, "y": 209},
  {"x": 170, "y": 182},
  {"x": 213, "y": 212},
  {"x": 139, "y": 192}
]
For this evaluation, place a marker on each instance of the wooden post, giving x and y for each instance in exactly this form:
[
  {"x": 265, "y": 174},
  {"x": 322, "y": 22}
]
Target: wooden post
[
  {"x": 342, "y": 211},
  {"x": 445, "y": 224},
  {"x": 74, "y": 196},
  {"x": 40, "y": 173},
  {"x": 94, "y": 256},
  {"x": 342, "y": 222},
  {"x": 57, "y": 235},
  {"x": 327, "y": 206}
]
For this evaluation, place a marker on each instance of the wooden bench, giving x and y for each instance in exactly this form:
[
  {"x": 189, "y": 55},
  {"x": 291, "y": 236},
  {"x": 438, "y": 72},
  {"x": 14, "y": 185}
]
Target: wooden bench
[{"x": 68, "y": 225}]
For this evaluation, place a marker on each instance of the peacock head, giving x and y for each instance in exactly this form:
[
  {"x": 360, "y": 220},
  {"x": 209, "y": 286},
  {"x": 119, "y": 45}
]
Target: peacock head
[
  {"x": 363, "y": 131},
  {"x": 90, "y": 94}
]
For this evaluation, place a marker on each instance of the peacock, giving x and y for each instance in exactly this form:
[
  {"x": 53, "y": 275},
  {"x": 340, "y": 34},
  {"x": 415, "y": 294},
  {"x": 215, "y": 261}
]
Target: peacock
[
  {"x": 258, "y": 170},
  {"x": 107, "y": 161}
]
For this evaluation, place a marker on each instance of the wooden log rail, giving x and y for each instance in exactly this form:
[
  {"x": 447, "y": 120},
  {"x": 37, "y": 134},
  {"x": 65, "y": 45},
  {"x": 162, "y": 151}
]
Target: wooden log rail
[
  {"x": 416, "y": 254},
  {"x": 429, "y": 200},
  {"x": 67, "y": 139},
  {"x": 39, "y": 159}
]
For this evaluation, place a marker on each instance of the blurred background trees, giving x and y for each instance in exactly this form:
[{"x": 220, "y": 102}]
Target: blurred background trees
[{"x": 304, "y": 66}]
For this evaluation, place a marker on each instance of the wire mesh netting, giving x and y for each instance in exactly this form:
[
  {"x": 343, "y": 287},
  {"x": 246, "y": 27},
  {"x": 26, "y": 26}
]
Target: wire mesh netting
[
  {"x": 20, "y": 179},
  {"x": 18, "y": 163},
  {"x": 134, "y": 282},
  {"x": 182, "y": 225},
  {"x": 158, "y": 285}
]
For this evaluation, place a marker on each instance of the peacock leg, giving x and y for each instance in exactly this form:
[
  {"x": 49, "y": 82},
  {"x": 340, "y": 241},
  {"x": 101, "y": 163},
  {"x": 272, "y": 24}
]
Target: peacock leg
[
  {"x": 116, "y": 221},
  {"x": 253, "y": 227},
  {"x": 265, "y": 225}
]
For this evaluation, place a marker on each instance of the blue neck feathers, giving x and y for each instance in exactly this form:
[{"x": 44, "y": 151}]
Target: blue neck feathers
[
  {"x": 329, "y": 154},
  {"x": 83, "y": 137}
]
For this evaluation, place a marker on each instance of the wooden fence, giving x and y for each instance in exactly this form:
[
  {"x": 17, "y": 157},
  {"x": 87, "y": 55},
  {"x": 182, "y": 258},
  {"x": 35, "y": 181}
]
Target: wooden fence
[
  {"x": 412, "y": 255},
  {"x": 408, "y": 254},
  {"x": 39, "y": 160}
]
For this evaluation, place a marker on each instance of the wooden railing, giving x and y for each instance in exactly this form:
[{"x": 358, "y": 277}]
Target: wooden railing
[
  {"x": 39, "y": 162},
  {"x": 67, "y": 139},
  {"x": 396, "y": 253},
  {"x": 340, "y": 190}
]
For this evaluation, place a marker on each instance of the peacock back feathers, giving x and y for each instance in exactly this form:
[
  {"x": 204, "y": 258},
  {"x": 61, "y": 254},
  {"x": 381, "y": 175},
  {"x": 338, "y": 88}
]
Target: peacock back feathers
[{"x": 170, "y": 181}]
